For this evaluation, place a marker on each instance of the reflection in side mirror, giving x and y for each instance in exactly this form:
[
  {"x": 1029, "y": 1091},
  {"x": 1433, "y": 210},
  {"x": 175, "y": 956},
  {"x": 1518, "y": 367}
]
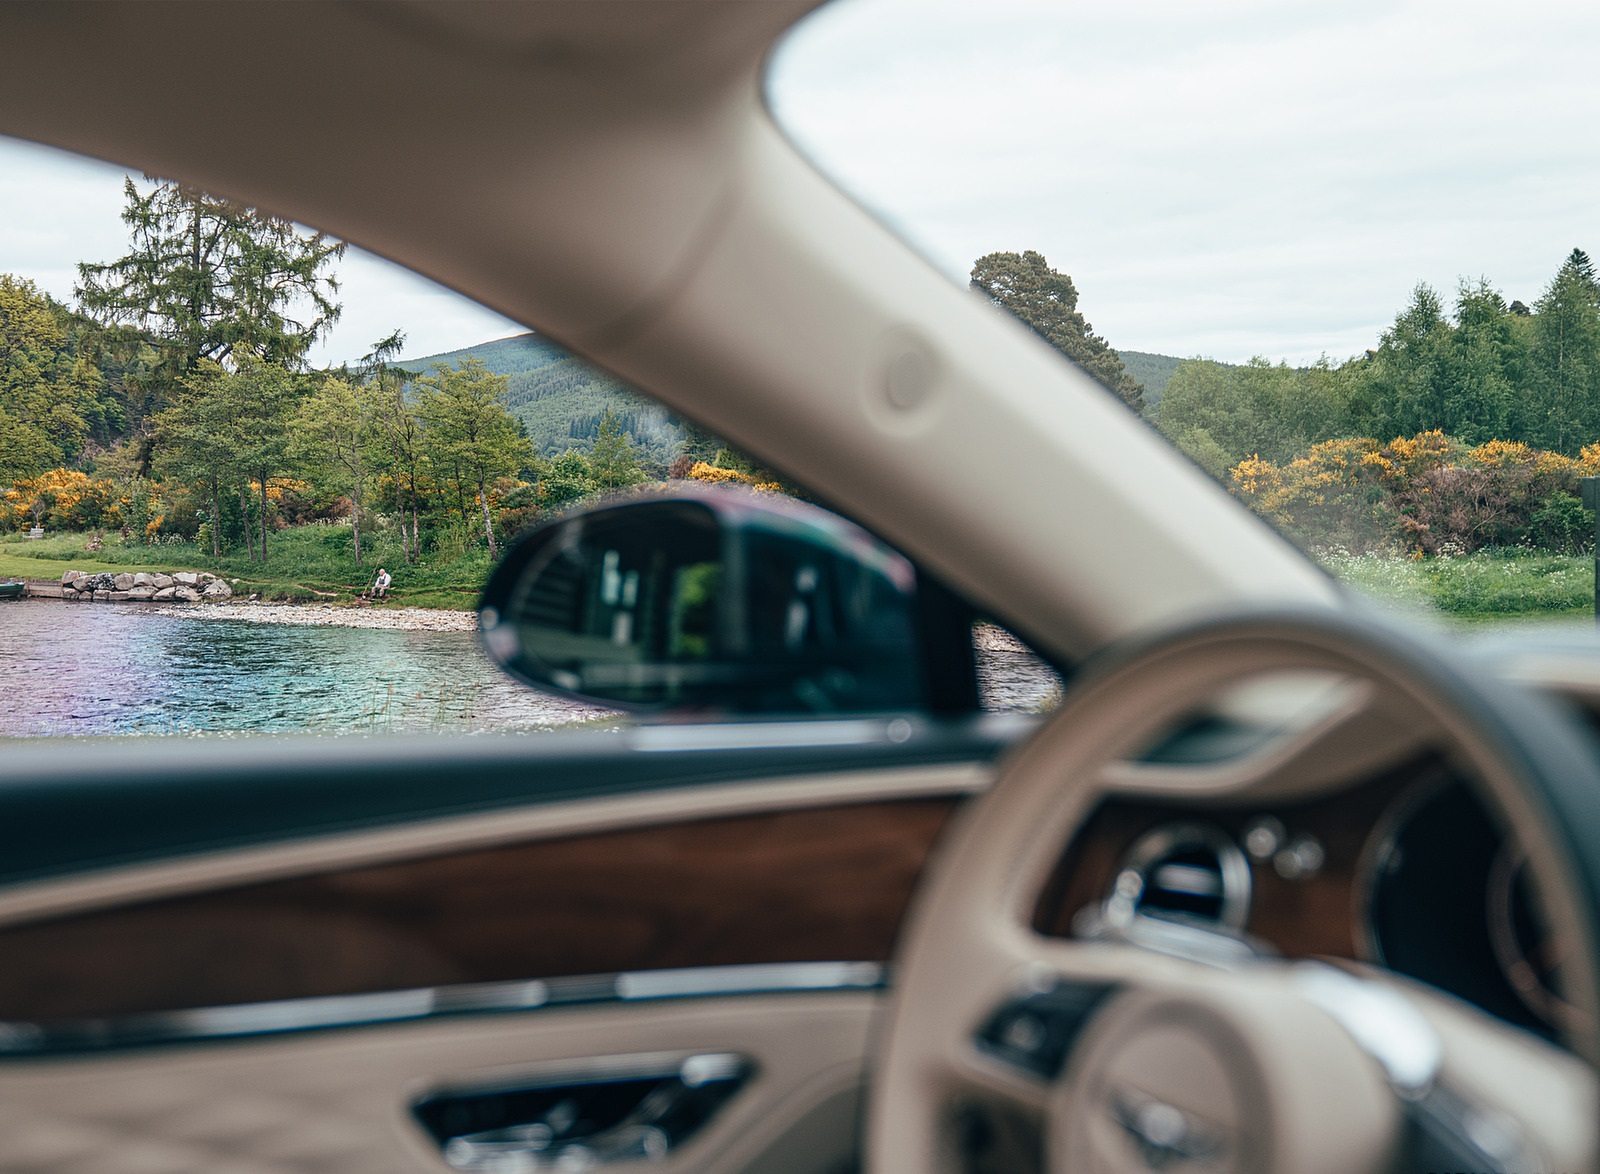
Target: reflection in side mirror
[{"x": 718, "y": 599}]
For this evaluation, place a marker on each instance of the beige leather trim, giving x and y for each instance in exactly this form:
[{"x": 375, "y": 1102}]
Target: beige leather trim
[
  {"x": 340, "y": 1102},
  {"x": 165, "y": 878}
]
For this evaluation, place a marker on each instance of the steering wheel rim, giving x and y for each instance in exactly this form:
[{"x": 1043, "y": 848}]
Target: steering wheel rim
[{"x": 968, "y": 940}]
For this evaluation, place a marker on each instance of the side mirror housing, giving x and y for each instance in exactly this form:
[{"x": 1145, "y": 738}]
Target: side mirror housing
[{"x": 715, "y": 599}]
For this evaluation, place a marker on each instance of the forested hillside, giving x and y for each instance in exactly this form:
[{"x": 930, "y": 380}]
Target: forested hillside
[
  {"x": 562, "y": 400},
  {"x": 1153, "y": 371}
]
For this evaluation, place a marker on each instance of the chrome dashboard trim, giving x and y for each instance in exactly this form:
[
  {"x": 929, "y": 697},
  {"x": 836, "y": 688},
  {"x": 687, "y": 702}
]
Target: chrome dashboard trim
[{"x": 30, "y": 1039}]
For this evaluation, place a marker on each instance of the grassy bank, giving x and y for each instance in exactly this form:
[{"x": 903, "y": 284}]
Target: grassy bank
[
  {"x": 1483, "y": 587},
  {"x": 305, "y": 564}
]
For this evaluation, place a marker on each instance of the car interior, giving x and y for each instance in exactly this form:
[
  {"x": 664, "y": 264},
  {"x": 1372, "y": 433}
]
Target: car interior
[{"x": 1281, "y": 886}]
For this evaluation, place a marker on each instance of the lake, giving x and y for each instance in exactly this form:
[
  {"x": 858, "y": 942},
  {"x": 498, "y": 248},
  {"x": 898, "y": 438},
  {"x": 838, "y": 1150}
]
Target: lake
[{"x": 74, "y": 669}]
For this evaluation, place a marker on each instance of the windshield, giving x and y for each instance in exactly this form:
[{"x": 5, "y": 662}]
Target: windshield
[
  {"x": 1335, "y": 254},
  {"x": 252, "y": 481}
]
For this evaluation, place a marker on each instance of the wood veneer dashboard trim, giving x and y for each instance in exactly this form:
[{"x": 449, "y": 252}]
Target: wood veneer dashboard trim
[{"x": 807, "y": 882}]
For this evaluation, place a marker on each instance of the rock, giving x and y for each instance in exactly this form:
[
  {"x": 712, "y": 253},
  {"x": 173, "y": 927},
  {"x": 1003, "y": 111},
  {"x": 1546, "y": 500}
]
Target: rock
[
  {"x": 124, "y": 582},
  {"x": 206, "y": 577},
  {"x": 67, "y": 577},
  {"x": 186, "y": 579},
  {"x": 165, "y": 593},
  {"x": 118, "y": 596},
  {"x": 141, "y": 579},
  {"x": 142, "y": 593},
  {"x": 235, "y": 582},
  {"x": 104, "y": 581},
  {"x": 186, "y": 593},
  {"x": 160, "y": 582},
  {"x": 216, "y": 589}
]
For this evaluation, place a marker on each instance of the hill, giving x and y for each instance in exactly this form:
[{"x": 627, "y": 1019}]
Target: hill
[
  {"x": 561, "y": 399},
  {"x": 1151, "y": 370}
]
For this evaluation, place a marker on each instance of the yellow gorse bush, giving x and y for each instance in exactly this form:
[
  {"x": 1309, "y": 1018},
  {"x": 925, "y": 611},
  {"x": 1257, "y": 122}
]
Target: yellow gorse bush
[
  {"x": 712, "y": 475},
  {"x": 1425, "y": 492}
]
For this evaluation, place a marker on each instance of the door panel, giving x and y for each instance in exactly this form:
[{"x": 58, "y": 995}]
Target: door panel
[
  {"x": 258, "y": 956},
  {"x": 342, "y": 1102}
]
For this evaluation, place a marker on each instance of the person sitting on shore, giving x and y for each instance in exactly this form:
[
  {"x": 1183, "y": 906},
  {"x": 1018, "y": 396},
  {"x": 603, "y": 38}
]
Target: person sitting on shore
[{"x": 380, "y": 585}]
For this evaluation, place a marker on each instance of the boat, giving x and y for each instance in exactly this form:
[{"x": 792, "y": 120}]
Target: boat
[{"x": 12, "y": 589}]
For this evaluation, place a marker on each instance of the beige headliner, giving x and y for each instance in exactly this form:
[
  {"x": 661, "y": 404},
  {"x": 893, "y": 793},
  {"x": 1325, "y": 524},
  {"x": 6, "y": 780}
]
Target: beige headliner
[{"x": 608, "y": 173}]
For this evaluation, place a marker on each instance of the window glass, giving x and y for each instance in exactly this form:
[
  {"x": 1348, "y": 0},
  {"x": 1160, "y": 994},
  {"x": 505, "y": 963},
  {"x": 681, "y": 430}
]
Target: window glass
[
  {"x": 1339, "y": 255},
  {"x": 258, "y": 489}
]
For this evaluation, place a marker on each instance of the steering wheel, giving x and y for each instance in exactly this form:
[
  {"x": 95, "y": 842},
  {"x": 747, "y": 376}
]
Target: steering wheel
[{"x": 1201, "y": 1054}]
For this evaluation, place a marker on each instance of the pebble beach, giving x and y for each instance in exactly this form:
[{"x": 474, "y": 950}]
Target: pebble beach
[{"x": 330, "y": 615}]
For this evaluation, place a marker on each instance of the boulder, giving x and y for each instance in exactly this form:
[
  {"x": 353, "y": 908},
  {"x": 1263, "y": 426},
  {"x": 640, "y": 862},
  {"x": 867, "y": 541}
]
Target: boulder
[
  {"x": 206, "y": 577},
  {"x": 187, "y": 579},
  {"x": 216, "y": 589},
  {"x": 117, "y": 596},
  {"x": 141, "y": 579},
  {"x": 164, "y": 593},
  {"x": 68, "y": 576},
  {"x": 186, "y": 593},
  {"x": 160, "y": 582},
  {"x": 142, "y": 593},
  {"x": 124, "y": 582}
]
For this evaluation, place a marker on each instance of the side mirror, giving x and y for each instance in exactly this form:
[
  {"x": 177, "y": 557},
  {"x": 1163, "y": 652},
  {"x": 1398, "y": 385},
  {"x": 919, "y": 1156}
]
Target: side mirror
[{"x": 719, "y": 599}]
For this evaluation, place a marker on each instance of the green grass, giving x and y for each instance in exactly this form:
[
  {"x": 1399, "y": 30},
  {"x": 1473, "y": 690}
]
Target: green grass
[
  {"x": 305, "y": 564},
  {"x": 1476, "y": 588}
]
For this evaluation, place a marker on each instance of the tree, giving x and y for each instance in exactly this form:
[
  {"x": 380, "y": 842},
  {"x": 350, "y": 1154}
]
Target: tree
[
  {"x": 401, "y": 433},
  {"x": 200, "y": 444},
  {"x": 333, "y": 435},
  {"x": 268, "y": 397},
  {"x": 613, "y": 460},
  {"x": 1565, "y": 358},
  {"x": 210, "y": 278},
  {"x": 1047, "y": 301},
  {"x": 1486, "y": 362},
  {"x": 565, "y": 479},
  {"x": 470, "y": 431},
  {"x": 231, "y": 429},
  {"x": 44, "y": 389}
]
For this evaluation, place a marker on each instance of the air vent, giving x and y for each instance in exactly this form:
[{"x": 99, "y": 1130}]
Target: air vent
[{"x": 1185, "y": 872}]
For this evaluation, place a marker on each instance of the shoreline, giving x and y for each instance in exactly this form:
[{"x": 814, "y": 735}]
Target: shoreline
[{"x": 327, "y": 615}]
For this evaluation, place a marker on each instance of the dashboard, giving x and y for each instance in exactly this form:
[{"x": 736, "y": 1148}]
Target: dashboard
[{"x": 1404, "y": 869}]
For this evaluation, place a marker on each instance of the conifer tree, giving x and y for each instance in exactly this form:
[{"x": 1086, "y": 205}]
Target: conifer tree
[{"x": 1047, "y": 301}]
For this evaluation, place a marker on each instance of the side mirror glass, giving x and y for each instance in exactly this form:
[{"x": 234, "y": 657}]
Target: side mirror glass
[{"x": 717, "y": 599}]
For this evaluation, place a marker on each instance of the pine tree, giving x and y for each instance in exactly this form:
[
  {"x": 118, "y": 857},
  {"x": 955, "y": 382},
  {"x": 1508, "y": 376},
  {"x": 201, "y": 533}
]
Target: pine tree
[
  {"x": 1047, "y": 301},
  {"x": 1566, "y": 358}
]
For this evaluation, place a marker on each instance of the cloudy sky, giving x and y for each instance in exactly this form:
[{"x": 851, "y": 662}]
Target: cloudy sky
[{"x": 1243, "y": 177}]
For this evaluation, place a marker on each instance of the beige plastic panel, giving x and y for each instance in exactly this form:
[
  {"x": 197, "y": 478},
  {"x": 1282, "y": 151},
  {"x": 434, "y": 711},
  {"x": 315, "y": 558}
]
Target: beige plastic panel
[{"x": 337, "y": 1103}]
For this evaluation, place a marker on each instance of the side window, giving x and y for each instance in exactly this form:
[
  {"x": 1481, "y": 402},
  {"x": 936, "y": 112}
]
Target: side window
[{"x": 266, "y": 501}]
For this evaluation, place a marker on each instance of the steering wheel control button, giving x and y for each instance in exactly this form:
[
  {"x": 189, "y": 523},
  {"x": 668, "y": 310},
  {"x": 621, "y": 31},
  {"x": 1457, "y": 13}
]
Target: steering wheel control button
[{"x": 1036, "y": 1030}]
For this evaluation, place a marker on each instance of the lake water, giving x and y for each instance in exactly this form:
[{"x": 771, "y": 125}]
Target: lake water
[{"x": 78, "y": 669}]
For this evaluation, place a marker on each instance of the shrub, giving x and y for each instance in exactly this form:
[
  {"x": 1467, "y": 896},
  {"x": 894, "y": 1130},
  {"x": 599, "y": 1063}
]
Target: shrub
[{"x": 1562, "y": 524}]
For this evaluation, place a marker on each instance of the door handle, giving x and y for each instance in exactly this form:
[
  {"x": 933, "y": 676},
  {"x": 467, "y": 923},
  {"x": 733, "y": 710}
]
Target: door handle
[{"x": 621, "y": 1109}]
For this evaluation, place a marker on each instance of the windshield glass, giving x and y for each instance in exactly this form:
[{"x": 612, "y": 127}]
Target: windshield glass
[
  {"x": 1335, "y": 254},
  {"x": 252, "y": 481}
]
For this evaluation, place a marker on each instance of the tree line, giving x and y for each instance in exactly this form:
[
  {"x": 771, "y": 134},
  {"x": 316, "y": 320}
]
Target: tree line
[{"x": 1467, "y": 424}]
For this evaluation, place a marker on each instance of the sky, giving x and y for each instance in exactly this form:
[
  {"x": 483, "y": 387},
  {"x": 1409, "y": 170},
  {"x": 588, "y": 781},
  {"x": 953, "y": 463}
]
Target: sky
[{"x": 1244, "y": 177}]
